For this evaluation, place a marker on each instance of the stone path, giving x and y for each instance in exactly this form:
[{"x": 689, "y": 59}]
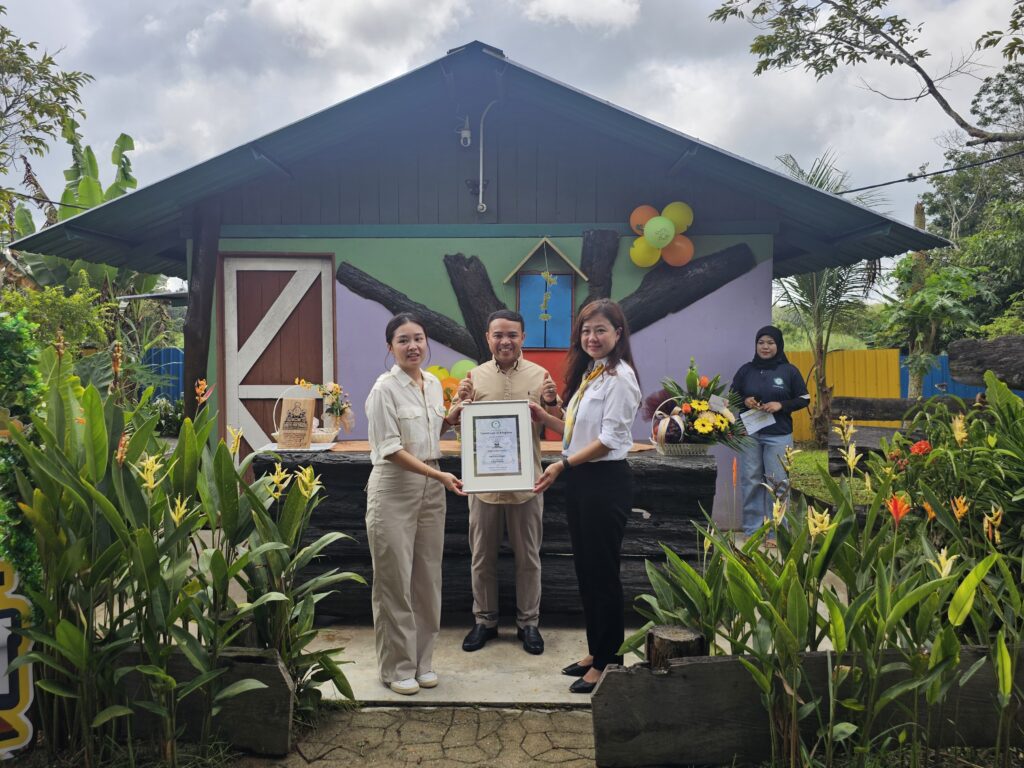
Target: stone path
[{"x": 442, "y": 736}]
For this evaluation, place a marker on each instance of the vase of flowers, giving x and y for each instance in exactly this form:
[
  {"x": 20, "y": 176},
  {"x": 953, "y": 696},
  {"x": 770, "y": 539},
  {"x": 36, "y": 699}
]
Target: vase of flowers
[
  {"x": 687, "y": 418},
  {"x": 337, "y": 413}
]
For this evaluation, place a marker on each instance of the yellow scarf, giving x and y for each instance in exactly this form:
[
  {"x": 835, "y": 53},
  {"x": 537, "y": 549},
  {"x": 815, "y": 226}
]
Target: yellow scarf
[{"x": 574, "y": 404}]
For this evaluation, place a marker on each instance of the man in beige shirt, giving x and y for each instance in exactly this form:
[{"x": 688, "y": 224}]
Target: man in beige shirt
[{"x": 507, "y": 377}]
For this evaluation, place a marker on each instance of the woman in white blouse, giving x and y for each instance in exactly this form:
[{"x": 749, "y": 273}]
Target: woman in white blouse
[
  {"x": 405, "y": 507},
  {"x": 603, "y": 396}
]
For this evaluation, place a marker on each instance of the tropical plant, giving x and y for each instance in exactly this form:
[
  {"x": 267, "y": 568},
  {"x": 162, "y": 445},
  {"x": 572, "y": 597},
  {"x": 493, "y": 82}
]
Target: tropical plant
[{"x": 823, "y": 299}]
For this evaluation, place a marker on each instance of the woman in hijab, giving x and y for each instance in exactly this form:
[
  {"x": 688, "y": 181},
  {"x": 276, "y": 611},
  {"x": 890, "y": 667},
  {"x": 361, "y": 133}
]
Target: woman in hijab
[{"x": 768, "y": 383}]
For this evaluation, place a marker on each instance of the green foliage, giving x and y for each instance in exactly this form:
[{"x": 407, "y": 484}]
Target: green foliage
[
  {"x": 1010, "y": 322},
  {"x": 118, "y": 523},
  {"x": 81, "y": 315},
  {"x": 934, "y": 564}
]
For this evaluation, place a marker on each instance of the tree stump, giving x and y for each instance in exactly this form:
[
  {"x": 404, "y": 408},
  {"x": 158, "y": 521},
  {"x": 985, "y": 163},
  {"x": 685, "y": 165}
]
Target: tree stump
[{"x": 672, "y": 642}]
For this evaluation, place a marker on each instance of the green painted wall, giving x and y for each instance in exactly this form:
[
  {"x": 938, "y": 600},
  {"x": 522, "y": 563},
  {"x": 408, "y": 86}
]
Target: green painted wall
[{"x": 414, "y": 265}]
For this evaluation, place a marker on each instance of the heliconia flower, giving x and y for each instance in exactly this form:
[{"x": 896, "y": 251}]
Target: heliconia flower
[
  {"x": 867, "y": 482},
  {"x": 179, "y": 511},
  {"x": 898, "y": 507},
  {"x": 787, "y": 458},
  {"x": 707, "y": 545},
  {"x": 992, "y": 523},
  {"x": 928, "y": 510},
  {"x": 122, "y": 449},
  {"x": 236, "y": 440},
  {"x": 959, "y": 429},
  {"x": 960, "y": 507},
  {"x": 850, "y": 456},
  {"x": 308, "y": 482},
  {"x": 943, "y": 564},
  {"x": 148, "y": 467},
  {"x": 921, "y": 448},
  {"x": 778, "y": 511},
  {"x": 845, "y": 429},
  {"x": 203, "y": 392},
  {"x": 818, "y": 523},
  {"x": 280, "y": 480}
]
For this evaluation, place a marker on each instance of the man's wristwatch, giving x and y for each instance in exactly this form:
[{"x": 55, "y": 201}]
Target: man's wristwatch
[
  {"x": 552, "y": 404},
  {"x": 565, "y": 463}
]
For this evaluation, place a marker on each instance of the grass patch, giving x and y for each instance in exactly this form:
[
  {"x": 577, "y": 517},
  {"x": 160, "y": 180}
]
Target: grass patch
[{"x": 806, "y": 478}]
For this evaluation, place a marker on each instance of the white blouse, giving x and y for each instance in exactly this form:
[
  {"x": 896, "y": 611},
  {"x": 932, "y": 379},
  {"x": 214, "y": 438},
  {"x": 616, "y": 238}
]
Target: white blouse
[
  {"x": 399, "y": 415},
  {"x": 606, "y": 413}
]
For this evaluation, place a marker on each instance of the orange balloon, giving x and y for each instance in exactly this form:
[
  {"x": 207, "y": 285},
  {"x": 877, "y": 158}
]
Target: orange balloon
[
  {"x": 450, "y": 384},
  {"x": 679, "y": 252},
  {"x": 640, "y": 216}
]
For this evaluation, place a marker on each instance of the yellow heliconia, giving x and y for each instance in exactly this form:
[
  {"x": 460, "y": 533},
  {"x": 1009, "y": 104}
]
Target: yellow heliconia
[
  {"x": 850, "y": 456},
  {"x": 148, "y": 467},
  {"x": 992, "y": 523},
  {"x": 778, "y": 511},
  {"x": 943, "y": 563},
  {"x": 867, "y": 482},
  {"x": 280, "y": 480},
  {"x": 818, "y": 523},
  {"x": 959, "y": 429},
  {"x": 308, "y": 482},
  {"x": 179, "y": 511},
  {"x": 236, "y": 440},
  {"x": 845, "y": 429},
  {"x": 787, "y": 458}
]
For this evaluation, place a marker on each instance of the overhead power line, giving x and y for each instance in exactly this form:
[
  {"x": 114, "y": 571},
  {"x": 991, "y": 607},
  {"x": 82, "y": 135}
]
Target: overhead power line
[
  {"x": 25, "y": 196},
  {"x": 915, "y": 177}
]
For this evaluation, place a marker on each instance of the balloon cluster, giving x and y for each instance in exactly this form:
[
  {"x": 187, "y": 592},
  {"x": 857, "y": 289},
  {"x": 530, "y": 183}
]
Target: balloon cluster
[
  {"x": 450, "y": 378},
  {"x": 661, "y": 235}
]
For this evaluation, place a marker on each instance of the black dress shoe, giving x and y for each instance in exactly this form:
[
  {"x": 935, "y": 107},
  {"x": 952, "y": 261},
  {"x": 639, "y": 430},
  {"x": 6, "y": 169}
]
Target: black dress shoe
[
  {"x": 582, "y": 686},
  {"x": 478, "y": 636},
  {"x": 532, "y": 641},
  {"x": 576, "y": 669}
]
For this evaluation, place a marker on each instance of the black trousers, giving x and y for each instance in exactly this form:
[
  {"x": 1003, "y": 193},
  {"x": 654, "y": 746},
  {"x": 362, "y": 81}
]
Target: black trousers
[{"x": 598, "y": 496}]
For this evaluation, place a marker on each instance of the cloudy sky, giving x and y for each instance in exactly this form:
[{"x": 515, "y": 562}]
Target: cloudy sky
[{"x": 189, "y": 79}]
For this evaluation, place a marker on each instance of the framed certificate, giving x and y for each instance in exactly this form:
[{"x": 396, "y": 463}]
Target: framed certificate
[{"x": 497, "y": 446}]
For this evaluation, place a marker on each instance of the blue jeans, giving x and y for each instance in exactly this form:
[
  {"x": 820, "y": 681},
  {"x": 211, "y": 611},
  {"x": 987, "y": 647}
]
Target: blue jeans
[{"x": 760, "y": 464}]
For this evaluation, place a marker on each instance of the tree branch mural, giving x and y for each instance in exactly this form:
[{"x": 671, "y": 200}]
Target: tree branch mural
[{"x": 664, "y": 290}]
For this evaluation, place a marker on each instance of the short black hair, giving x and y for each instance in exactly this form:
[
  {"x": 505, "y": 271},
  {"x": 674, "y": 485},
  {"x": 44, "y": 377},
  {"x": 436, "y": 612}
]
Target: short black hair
[{"x": 506, "y": 314}]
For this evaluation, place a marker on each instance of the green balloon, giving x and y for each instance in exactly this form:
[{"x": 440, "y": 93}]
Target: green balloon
[
  {"x": 461, "y": 368},
  {"x": 659, "y": 231}
]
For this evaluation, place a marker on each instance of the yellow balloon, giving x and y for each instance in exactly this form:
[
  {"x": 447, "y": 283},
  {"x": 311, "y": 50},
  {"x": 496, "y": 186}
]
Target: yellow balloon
[
  {"x": 440, "y": 371},
  {"x": 643, "y": 254},
  {"x": 679, "y": 214}
]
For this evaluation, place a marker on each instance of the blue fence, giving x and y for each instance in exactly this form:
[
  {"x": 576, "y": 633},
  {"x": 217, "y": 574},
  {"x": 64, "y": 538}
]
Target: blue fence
[
  {"x": 938, "y": 382},
  {"x": 169, "y": 365}
]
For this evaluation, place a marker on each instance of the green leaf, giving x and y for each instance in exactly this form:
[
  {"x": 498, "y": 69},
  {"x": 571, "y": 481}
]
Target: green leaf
[
  {"x": 72, "y": 644},
  {"x": 760, "y": 678},
  {"x": 108, "y": 714},
  {"x": 842, "y": 730},
  {"x": 1004, "y": 669},
  {"x": 837, "y": 624},
  {"x": 963, "y": 598},
  {"x": 57, "y": 689},
  {"x": 907, "y": 602},
  {"x": 95, "y": 434},
  {"x": 238, "y": 687}
]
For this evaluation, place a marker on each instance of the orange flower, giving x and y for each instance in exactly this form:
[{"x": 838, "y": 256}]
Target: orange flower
[
  {"x": 898, "y": 507},
  {"x": 203, "y": 392},
  {"x": 703, "y": 381},
  {"x": 960, "y": 506},
  {"x": 928, "y": 510},
  {"x": 921, "y": 447},
  {"x": 687, "y": 408}
]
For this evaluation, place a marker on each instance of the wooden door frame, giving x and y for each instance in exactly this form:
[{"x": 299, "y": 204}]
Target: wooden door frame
[{"x": 222, "y": 256}]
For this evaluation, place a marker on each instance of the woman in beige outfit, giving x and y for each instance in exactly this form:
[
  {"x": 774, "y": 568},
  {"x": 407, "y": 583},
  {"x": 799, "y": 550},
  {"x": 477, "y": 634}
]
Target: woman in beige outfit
[{"x": 405, "y": 506}]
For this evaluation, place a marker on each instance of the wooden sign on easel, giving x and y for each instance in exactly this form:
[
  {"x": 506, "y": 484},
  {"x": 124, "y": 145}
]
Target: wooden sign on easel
[{"x": 296, "y": 423}]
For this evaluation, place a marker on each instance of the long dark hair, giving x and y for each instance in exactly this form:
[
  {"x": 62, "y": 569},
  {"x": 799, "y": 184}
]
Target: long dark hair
[
  {"x": 578, "y": 360},
  {"x": 398, "y": 321}
]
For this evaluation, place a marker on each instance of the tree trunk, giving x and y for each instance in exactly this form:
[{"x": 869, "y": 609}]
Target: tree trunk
[
  {"x": 476, "y": 297},
  {"x": 666, "y": 289},
  {"x": 915, "y": 385},
  {"x": 600, "y": 248},
  {"x": 438, "y": 327},
  {"x": 671, "y": 642},
  {"x": 970, "y": 358},
  {"x": 201, "y": 285}
]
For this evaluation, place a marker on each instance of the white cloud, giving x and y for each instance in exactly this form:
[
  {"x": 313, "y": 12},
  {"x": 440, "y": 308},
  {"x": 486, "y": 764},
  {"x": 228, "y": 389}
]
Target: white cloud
[{"x": 610, "y": 15}]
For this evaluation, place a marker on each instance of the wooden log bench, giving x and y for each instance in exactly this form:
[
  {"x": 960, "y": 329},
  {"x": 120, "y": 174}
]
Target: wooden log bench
[{"x": 669, "y": 496}]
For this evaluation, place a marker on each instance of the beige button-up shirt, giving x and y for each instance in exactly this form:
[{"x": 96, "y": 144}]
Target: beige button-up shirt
[
  {"x": 523, "y": 381},
  {"x": 399, "y": 415}
]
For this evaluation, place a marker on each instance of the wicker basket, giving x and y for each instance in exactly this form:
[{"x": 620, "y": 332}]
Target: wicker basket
[{"x": 674, "y": 449}]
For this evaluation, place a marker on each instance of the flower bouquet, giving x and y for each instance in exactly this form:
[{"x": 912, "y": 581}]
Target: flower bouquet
[
  {"x": 688, "y": 417},
  {"x": 338, "y": 413}
]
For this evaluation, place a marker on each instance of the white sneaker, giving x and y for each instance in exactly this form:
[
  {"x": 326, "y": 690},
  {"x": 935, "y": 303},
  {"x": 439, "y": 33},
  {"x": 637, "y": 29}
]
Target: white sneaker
[
  {"x": 405, "y": 687},
  {"x": 427, "y": 680}
]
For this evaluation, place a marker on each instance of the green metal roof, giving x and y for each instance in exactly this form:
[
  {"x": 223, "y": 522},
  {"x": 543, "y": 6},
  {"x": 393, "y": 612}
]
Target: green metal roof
[{"x": 147, "y": 229}]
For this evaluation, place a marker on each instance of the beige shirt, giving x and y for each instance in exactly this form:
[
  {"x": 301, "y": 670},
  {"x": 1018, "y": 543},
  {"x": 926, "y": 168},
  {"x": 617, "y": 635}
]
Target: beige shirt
[
  {"x": 523, "y": 381},
  {"x": 399, "y": 415}
]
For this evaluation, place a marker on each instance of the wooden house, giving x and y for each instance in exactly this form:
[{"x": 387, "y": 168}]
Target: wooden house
[{"x": 449, "y": 190}]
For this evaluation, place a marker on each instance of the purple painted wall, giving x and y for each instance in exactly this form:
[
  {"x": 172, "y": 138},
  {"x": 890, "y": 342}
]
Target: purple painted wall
[{"x": 717, "y": 331}]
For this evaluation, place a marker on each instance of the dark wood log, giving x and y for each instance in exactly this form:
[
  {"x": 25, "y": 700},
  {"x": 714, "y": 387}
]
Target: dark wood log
[
  {"x": 669, "y": 494},
  {"x": 201, "y": 286},
  {"x": 600, "y": 249},
  {"x": 668, "y": 642},
  {"x": 476, "y": 297},
  {"x": 666, "y": 289},
  {"x": 708, "y": 711},
  {"x": 270, "y": 707},
  {"x": 439, "y": 327},
  {"x": 885, "y": 408},
  {"x": 970, "y": 358}
]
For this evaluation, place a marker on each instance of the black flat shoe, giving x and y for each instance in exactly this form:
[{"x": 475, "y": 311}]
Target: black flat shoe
[
  {"x": 582, "y": 686},
  {"x": 576, "y": 669},
  {"x": 532, "y": 641},
  {"x": 478, "y": 636}
]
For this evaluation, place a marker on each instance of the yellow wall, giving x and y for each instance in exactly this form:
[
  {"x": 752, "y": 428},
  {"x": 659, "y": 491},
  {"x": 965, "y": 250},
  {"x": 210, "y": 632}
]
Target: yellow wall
[{"x": 852, "y": 373}]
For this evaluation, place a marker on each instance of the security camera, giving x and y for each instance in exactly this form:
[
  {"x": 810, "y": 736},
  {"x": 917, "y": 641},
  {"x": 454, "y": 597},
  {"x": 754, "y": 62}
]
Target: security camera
[{"x": 465, "y": 137}]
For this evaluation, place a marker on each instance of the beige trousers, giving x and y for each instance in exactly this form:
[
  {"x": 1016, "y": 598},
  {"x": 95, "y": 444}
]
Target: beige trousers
[
  {"x": 405, "y": 529},
  {"x": 525, "y": 524}
]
